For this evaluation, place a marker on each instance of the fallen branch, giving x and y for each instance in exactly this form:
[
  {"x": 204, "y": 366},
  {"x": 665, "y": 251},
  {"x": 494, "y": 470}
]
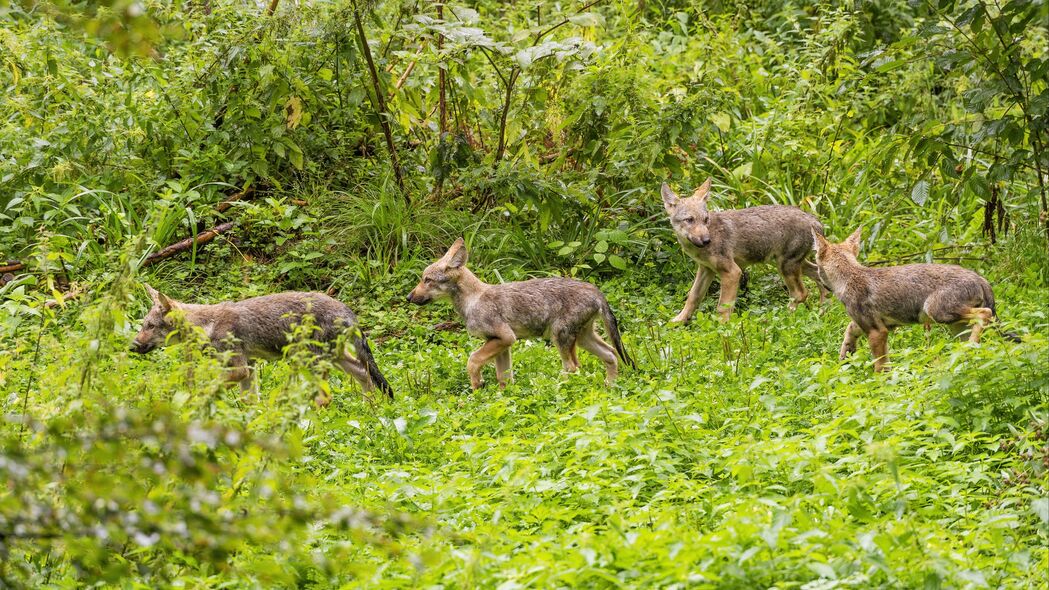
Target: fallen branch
[
  {"x": 229, "y": 201},
  {"x": 200, "y": 239},
  {"x": 12, "y": 266}
]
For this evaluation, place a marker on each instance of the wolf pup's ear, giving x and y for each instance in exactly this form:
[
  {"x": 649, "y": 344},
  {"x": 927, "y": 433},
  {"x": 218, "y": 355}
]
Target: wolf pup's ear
[
  {"x": 853, "y": 241},
  {"x": 703, "y": 191},
  {"x": 457, "y": 254},
  {"x": 166, "y": 303},
  {"x": 669, "y": 198}
]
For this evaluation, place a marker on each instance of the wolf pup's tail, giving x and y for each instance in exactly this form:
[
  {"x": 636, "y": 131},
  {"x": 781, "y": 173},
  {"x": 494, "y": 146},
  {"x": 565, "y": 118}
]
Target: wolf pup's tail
[
  {"x": 613, "y": 332},
  {"x": 364, "y": 353}
]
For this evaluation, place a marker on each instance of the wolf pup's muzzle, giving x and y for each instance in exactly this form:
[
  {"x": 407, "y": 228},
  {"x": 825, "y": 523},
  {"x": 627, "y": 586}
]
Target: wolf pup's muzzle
[
  {"x": 700, "y": 242},
  {"x": 413, "y": 298},
  {"x": 141, "y": 348}
]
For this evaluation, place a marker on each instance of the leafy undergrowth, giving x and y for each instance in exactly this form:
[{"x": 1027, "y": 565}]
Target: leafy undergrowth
[{"x": 736, "y": 456}]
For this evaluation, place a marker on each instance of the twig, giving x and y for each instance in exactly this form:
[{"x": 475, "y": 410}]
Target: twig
[{"x": 403, "y": 78}]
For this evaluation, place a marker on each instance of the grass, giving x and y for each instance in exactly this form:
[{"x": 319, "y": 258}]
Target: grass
[{"x": 737, "y": 456}]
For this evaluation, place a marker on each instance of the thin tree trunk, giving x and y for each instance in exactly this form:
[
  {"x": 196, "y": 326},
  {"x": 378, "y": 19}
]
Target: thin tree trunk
[
  {"x": 507, "y": 101},
  {"x": 442, "y": 105},
  {"x": 380, "y": 104},
  {"x": 272, "y": 7}
]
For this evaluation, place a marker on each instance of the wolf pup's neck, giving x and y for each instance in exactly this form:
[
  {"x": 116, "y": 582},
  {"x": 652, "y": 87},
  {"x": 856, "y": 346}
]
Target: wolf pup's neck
[
  {"x": 467, "y": 288},
  {"x": 844, "y": 270}
]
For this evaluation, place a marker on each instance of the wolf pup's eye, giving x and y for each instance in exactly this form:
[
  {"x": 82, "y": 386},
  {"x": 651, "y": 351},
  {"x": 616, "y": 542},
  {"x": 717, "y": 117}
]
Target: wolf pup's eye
[{"x": 689, "y": 219}]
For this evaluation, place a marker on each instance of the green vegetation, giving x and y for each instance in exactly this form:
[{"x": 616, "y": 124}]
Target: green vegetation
[{"x": 740, "y": 455}]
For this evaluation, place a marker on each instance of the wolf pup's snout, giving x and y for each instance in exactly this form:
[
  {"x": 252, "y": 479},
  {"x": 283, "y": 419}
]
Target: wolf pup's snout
[{"x": 700, "y": 242}]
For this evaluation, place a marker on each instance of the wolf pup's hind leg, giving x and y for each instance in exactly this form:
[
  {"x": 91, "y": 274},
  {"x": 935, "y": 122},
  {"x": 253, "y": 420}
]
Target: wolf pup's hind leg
[
  {"x": 503, "y": 372},
  {"x": 591, "y": 342}
]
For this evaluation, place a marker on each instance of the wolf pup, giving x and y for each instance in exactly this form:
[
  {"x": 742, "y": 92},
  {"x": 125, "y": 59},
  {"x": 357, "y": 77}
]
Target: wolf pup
[
  {"x": 879, "y": 299},
  {"x": 259, "y": 327},
  {"x": 725, "y": 242},
  {"x": 561, "y": 310}
]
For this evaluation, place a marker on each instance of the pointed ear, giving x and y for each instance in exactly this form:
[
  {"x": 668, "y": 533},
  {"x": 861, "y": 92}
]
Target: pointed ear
[
  {"x": 669, "y": 198},
  {"x": 456, "y": 256},
  {"x": 853, "y": 241},
  {"x": 703, "y": 191},
  {"x": 166, "y": 303}
]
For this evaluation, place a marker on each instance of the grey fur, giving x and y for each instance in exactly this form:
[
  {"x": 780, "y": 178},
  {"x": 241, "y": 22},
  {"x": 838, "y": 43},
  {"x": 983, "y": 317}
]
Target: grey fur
[
  {"x": 726, "y": 242},
  {"x": 557, "y": 309},
  {"x": 880, "y": 299},
  {"x": 258, "y": 328}
]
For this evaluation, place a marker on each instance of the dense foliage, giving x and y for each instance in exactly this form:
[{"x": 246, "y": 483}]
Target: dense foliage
[{"x": 350, "y": 142}]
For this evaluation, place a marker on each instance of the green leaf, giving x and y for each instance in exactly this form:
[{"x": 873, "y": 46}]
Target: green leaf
[
  {"x": 617, "y": 262},
  {"x": 1040, "y": 506},
  {"x": 920, "y": 192},
  {"x": 587, "y": 19},
  {"x": 722, "y": 121}
]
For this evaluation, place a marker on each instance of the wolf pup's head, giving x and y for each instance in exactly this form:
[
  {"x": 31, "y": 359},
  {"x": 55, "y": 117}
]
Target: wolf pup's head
[
  {"x": 689, "y": 217},
  {"x": 834, "y": 260},
  {"x": 155, "y": 326},
  {"x": 440, "y": 278}
]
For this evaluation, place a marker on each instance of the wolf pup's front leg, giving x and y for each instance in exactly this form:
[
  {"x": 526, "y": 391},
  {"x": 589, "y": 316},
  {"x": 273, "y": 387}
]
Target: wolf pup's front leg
[
  {"x": 491, "y": 349},
  {"x": 699, "y": 289},
  {"x": 848, "y": 344}
]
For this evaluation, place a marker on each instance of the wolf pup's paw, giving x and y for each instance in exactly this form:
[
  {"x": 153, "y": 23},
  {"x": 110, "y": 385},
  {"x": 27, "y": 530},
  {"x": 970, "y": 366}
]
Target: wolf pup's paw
[{"x": 680, "y": 319}]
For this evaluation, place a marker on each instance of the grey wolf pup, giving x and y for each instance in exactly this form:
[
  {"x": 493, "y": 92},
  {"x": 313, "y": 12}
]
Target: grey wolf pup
[
  {"x": 880, "y": 299},
  {"x": 726, "y": 242},
  {"x": 258, "y": 328},
  {"x": 557, "y": 309}
]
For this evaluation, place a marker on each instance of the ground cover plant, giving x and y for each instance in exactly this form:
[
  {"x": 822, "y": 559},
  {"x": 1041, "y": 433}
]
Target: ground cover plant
[{"x": 343, "y": 146}]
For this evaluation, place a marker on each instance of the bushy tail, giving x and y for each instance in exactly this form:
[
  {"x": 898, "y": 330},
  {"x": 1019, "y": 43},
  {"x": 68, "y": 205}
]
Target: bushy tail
[
  {"x": 364, "y": 353},
  {"x": 613, "y": 332}
]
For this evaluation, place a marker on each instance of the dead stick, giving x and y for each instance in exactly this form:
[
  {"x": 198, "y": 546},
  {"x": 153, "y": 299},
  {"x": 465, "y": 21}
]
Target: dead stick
[
  {"x": 12, "y": 266},
  {"x": 228, "y": 202},
  {"x": 404, "y": 76},
  {"x": 202, "y": 238}
]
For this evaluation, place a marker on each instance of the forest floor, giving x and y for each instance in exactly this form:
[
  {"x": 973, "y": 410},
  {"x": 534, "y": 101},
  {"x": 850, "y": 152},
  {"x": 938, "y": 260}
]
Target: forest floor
[{"x": 739, "y": 455}]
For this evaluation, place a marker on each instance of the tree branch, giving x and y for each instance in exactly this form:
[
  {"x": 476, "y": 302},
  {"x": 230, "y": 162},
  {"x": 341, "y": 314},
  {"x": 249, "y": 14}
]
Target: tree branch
[{"x": 181, "y": 246}]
